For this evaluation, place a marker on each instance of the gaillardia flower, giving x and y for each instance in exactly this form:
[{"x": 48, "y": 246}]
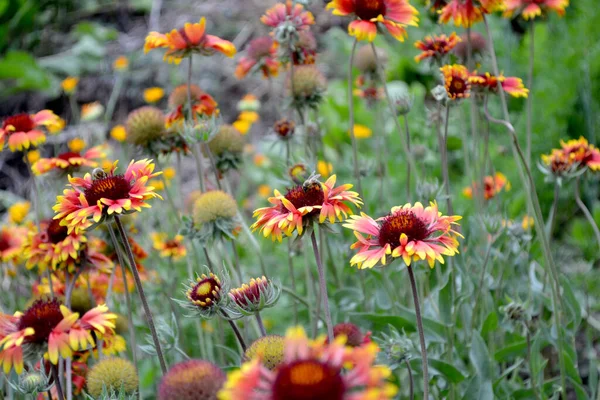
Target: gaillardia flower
[
  {"x": 203, "y": 105},
  {"x": 190, "y": 39},
  {"x": 214, "y": 216},
  {"x": 301, "y": 205},
  {"x": 456, "y": 81},
  {"x": 93, "y": 198},
  {"x": 531, "y": 9},
  {"x": 191, "y": 380},
  {"x": 23, "y": 130},
  {"x": 313, "y": 369},
  {"x": 48, "y": 327},
  {"x": 270, "y": 350},
  {"x": 261, "y": 55},
  {"x": 254, "y": 296},
  {"x": 436, "y": 47},
  {"x": 492, "y": 185},
  {"x": 412, "y": 232},
  {"x": 394, "y": 15},
  {"x": 112, "y": 373},
  {"x": 205, "y": 295},
  {"x": 488, "y": 82},
  {"x": 354, "y": 336},
  {"x": 12, "y": 239},
  {"x": 284, "y": 128},
  {"x": 290, "y": 12},
  {"x": 168, "y": 248},
  {"x": 465, "y": 13},
  {"x": 306, "y": 86},
  {"x": 580, "y": 152},
  {"x": 69, "y": 161}
]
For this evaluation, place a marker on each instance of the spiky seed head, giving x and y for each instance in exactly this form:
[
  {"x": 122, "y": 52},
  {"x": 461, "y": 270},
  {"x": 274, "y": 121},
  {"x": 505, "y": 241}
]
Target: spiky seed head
[
  {"x": 228, "y": 139},
  {"x": 145, "y": 125},
  {"x": 269, "y": 348},
  {"x": 113, "y": 374},
  {"x": 192, "y": 380},
  {"x": 213, "y": 205},
  {"x": 307, "y": 82}
]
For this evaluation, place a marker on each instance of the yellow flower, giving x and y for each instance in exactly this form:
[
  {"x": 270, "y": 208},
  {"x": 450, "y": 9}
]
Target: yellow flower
[
  {"x": 118, "y": 133},
  {"x": 69, "y": 84},
  {"x": 242, "y": 126},
  {"x": 527, "y": 223},
  {"x": 249, "y": 103},
  {"x": 325, "y": 169},
  {"x": 76, "y": 145},
  {"x": 264, "y": 191},
  {"x": 250, "y": 116},
  {"x": 206, "y": 326},
  {"x": 91, "y": 111},
  {"x": 260, "y": 160},
  {"x": 153, "y": 94},
  {"x": 18, "y": 211},
  {"x": 121, "y": 63},
  {"x": 169, "y": 173},
  {"x": 362, "y": 132},
  {"x": 56, "y": 125},
  {"x": 33, "y": 156},
  {"x": 157, "y": 184}
]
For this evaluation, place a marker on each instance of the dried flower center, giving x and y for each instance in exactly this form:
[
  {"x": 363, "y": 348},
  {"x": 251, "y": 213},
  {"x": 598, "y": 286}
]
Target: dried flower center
[
  {"x": 56, "y": 232},
  {"x": 20, "y": 122},
  {"x": 368, "y": 9},
  {"x": 113, "y": 187},
  {"x": 284, "y": 127},
  {"x": 207, "y": 291},
  {"x": 308, "y": 379},
  {"x": 306, "y": 196},
  {"x": 69, "y": 154},
  {"x": 400, "y": 222},
  {"x": 42, "y": 316},
  {"x": 260, "y": 47}
]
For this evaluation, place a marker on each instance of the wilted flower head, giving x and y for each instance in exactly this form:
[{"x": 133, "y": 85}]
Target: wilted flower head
[
  {"x": 489, "y": 83},
  {"x": 191, "y": 380},
  {"x": 214, "y": 216},
  {"x": 353, "y": 334},
  {"x": 492, "y": 185},
  {"x": 254, "y": 296},
  {"x": 261, "y": 55},
  {"x": 530, "y": 9},
  {"x": 412, "y": 232},
  {"x": 436, "y": 47},
  {"x": 478, "y": 46},
  {"x": 366, "y": 62},
  {"x": 269, "y": 349},
  {"x": 22, "y": 131},
  {"x": 227, "y": 146},
  {"x": 284, "y": 128},
  {"x": 313, "y": 369},
  {"x": 188, "y": 40},
  {"x": 112, "y": 374},
  {"x": 515, "y": 312},
  {"x": 307, "y": 86},
  {"x": 456, "y": 81},
  {"x": 393, "y": 15}
]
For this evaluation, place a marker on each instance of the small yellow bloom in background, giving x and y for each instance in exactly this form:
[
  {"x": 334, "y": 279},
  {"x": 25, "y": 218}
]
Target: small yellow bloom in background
[
  {"x": 249, "y": 103},
  {"x": 250, "y": 116},
  {"x": 76, "y": 145},
  {"x": 56, "y": 125},
  {"x": 33, "y": 156},
  {"x": 153, "y": 94},
  {"x": 268, "y": 323},
  {"x": 362, "y": 132},
  {"x": 527, "y": 223},
  {"x": 242, "y": 126},
  {"x": 107, "y": 165},
  {"x": 206, "y": 326},
  {"x": 325, "y": 169},
  {"x": 264, "y": 190},
  {"x": 156, "y": 184},
  {"x": 169, "y": 173},
  {"x": 69, "y": 84},
  {"x": 18, "y": 211},
  {"x": 91, "y": 111},
  {"x": 260, "y": 160},
  {"x": 121, "y": 63},
  {"x": 118, "y": 133}
]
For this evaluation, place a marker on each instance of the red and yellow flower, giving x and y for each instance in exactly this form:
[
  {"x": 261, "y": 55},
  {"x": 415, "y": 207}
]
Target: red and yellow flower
[
  {"x": 168, "y": 248},
  {"x": 456, "y": 81},
  {"x": 488, "y": 82},
  {"x": 492, "y": 185},
  {"x": 289, "y": 12},
  {"x": 203, "y": 105},
  {"x": 465, "y": 13},
  {"x": 260, "y": 55},
  {"x": 581, "y": 152},
  {"x": 192, "y": 38},
  {"x": 69, "y": 161},
  {"x": 530, "y": 9},
  {"x": 23, "y": 130},
  {"x": 412, "y": 232},
  {"x": 436, "y": 46},
  {"x": 394, "y": 15},
  {"x": 106, "y": 193},
  {"x": 313, "y": 369},
  {"x": 302, "y": 204},
  {"x": 12, "y": 239},
  {"x": 51, "y": 329}
]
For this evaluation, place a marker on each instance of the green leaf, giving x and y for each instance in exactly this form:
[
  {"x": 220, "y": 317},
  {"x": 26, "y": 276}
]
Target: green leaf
[
  {"x": 490, "y": 324},
  {"x": 573, "y": 307},
  {"x": 511, "y": 351},
  {"x": 480, "y": 357},
  {"x": 479, "y": 389},
  {"x": 439, "y": 367}
]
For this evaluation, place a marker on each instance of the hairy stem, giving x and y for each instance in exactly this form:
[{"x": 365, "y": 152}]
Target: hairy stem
[
  {"x": 415, "y": 294},
  {"x": 235, "y": 329},
  {"x": 351, "y": 119}
]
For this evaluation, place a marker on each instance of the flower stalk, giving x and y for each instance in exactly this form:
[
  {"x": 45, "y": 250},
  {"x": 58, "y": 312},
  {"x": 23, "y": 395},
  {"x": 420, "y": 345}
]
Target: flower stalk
[
  {"x": 586, "y": 212},
  {"x": 323, "y": 286},
  {"x": 351, "y": 119},
  {"x": 415, "y": 294}
]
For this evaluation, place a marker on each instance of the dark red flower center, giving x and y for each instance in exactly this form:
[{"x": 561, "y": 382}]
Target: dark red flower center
[
  {"x": 305, "y": 196},
  {"x": 56, "y": 232},
  {"x": 114, "y": 187},
  {"x": 368, "y": 9},
  {"x": 404, "y": 221},
  {"x": 20, "y": 122},
  {"x": 171, "y": 244},
  {"x": 284, "y": 127},
  {"x": 69, "y": 154},
  {"x": 458, "y": 86},
  {"x": 42, "y": 316},
  {"x": 352, "y": 332},
  {"x": 208, "y": 291},
  {"x": 4, "y": 244},
  {"x": 308, "y": 380}
]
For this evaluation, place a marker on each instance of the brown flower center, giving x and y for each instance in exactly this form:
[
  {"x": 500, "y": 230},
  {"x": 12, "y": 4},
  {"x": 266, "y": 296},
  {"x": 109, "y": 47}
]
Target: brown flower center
[
  {"x": 368, "y": 9},
  {"x": 20, "y": 122},
  {"x": 4, "y": 244},
  {"x": 400, "y": 222},
  {"x": 284, "y": 127},
  {"x": 207, "y": 291},
  {"x": 42, "y": 316},
  {"x": 56, "y": 232},
  {"x": 67, "y": 155},
  {"x": 308, "y": 379},
  {"x": 458, "y": 87},
  {"x": 305, "y": 196},
  {"x": 113, "y": 187}
]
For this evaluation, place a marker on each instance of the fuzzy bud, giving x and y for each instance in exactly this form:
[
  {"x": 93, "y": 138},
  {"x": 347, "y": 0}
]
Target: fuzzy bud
[
  {"x": 113, "y": 374},
  {"x": 192, "y": 380},
  {"x": 145, "y": 125},
  {"x": 269, "y": 348}
]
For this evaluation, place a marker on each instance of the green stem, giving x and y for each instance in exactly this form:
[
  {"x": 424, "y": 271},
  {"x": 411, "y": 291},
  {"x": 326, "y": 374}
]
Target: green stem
[
  {"x": 408, "y": 149},
  {"x": 261, "y": 325},
  {"x": 530, "y": 96},
  {"x": 532, "y": 378},
  {"x": 415, "y": 294},
  {"x": 586, "y": 211},
  {"x": 112, "y": 100},
  {"x": 323, "y": 286},
  {"x": 351, "y": 119},
  {"x": 293, "y": 278},
  {"x": 411, "y": 383},
  {"x": 235, "y": 329}
]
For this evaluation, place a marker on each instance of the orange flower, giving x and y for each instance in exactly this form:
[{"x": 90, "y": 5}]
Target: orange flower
[
  {"x": 288, "y": 12},
  {"x": 12, "y": 239},
  {"x": 492, "y": 185},
  {"x": 168, "y": 248},
  {"x": 203, "y": 105},
  {"x": 22, "y": 130},
  {"x": 394, "y": 15},
  {"x": 69, "y": 161},
  {"x": 530, "y": 9},
  {"x": 436, "y": 47},
  {"x": 488, "y": 82},
  {"x": 467, "y": 12},
  {"x": 581, "y": 152},
  {"x": 261, "y": 55},
  {"x": 456, "y": 81},
  {"x": 190, "y": 39}
]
